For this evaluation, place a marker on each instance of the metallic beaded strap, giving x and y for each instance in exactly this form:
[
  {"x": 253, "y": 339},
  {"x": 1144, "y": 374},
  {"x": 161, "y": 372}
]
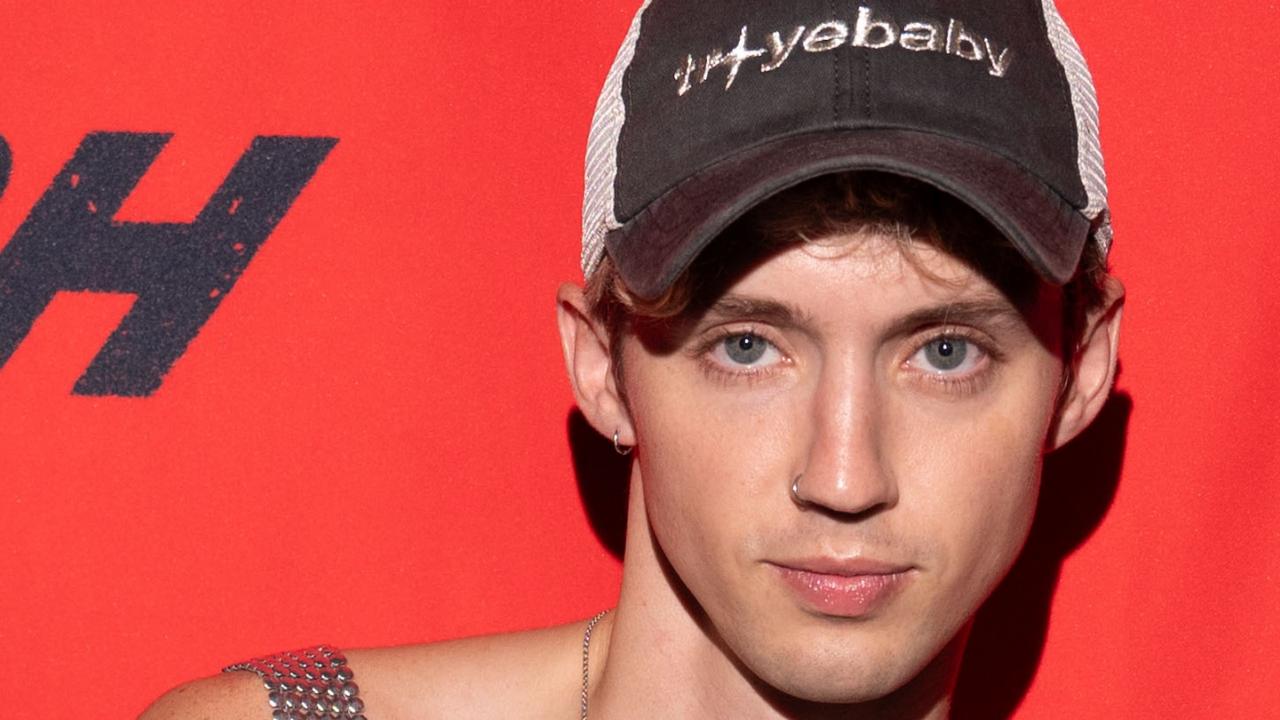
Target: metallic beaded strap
[{"x": 310, "y": 683}]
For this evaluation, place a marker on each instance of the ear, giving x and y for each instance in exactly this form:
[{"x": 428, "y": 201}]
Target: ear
[
  {"x": 1093, "y": 367},
  {"x": 589, "y": 360}
]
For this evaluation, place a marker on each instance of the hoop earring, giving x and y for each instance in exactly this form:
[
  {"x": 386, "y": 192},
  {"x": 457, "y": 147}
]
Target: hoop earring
[
  {"x": 619, "y": 448},
  {"x": 795, "y": 493}
]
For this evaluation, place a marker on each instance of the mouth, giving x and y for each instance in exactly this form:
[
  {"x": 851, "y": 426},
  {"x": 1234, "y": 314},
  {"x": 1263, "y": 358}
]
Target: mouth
[{"x": 843, "y": 588}]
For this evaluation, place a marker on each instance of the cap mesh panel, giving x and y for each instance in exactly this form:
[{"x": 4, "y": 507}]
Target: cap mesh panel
[
  {"x": 598, "y": 216},
  {"x": 1084, "y": 101}
]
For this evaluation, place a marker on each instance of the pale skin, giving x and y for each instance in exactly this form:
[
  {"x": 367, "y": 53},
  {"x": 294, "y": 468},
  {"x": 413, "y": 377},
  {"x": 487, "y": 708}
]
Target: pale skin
[{"x": 835, "y": 362}]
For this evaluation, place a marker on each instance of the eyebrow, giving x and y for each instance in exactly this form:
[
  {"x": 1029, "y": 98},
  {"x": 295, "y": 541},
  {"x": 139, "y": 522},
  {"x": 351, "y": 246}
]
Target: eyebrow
[
  {"x": 992, "y": 312},
  {"x": 741, "y": 307},
  {"x": 989, "y": 312}
]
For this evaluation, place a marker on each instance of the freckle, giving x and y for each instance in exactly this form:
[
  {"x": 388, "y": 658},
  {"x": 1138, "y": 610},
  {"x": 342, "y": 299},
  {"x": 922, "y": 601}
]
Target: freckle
[
  {"x": 235, "y": 204},
  {"x": 238, "y": 247},
  {"x": 75, "y": 179},
  {"x": 226, "y": 276},
  {"x": 215, "y": 293}
]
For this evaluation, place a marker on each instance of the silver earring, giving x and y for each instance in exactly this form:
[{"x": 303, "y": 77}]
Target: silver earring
[
  {"x": 619, "y": 448},
  {"x": 795, "y": 492}
]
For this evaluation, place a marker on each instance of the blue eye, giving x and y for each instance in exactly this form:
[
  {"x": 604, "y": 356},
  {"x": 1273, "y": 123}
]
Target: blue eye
[
  {"x": 947, "y": 354},
  {"x": 745, "y": 348}
]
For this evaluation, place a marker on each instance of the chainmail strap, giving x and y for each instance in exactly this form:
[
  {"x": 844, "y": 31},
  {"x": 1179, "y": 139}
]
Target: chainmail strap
[{"x": 309, "y": 684}]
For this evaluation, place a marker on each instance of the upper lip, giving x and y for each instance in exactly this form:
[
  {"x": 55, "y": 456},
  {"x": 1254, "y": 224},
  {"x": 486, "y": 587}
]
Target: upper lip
[{"x": 846, "y": 566}]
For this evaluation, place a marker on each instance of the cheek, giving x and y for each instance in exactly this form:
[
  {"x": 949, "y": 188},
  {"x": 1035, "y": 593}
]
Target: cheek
[
  {"x": 693, "y": 432},
  {"x": 711, "y": 463},
  {"x": 978, "y": 477}
]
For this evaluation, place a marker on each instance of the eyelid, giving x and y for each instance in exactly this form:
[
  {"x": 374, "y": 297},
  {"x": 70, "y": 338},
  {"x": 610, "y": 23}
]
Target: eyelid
[
  {"x": 715, "y": 335},
  {"x": 975, "y": 356},
  {"x": 704, "y": 349},
  {"x": 973, "y": 336},
  {"x": 952, "y": 384}
]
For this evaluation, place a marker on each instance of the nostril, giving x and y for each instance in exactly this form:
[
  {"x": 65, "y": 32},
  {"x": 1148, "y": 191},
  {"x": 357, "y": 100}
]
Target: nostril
[{"x": 843, "y": 501}]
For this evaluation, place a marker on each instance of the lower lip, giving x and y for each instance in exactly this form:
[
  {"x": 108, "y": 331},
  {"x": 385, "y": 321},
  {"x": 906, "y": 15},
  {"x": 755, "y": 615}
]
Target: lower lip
[{"x": 848, "y": 596}]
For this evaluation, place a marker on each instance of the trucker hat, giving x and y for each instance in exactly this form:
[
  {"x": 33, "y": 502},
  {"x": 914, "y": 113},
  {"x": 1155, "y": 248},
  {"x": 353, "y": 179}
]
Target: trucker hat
[{"x": 711, "y": 107}]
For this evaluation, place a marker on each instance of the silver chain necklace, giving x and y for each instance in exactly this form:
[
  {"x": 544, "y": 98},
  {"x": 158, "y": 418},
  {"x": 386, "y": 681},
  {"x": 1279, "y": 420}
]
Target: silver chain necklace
[{"x": 586, "y": 657}]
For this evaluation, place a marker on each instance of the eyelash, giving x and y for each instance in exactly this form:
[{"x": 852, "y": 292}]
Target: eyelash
[
  {"x": 959, "y": 385},
  {"x": 717, "y": 371}
]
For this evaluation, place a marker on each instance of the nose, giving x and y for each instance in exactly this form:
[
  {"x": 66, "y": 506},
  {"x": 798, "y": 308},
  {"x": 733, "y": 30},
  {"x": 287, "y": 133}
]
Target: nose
[{"x": 847, "y": 470}]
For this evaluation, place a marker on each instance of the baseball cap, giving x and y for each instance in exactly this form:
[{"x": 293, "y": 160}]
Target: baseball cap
[{"x": 711, "y": 107}]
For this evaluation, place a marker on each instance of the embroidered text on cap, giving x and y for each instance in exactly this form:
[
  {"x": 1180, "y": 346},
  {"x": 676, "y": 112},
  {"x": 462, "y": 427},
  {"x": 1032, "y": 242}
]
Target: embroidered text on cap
[{"x": 871, "y": 31}]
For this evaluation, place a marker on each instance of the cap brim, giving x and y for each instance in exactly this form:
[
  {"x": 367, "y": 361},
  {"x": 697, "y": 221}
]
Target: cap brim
[{"x": 653, "y": 248}]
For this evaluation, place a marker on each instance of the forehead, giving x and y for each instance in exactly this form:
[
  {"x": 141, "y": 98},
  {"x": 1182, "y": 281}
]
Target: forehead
[
  {"x": 883, "y": 224},
  {"x": 867, "y": 284},
  {"x": 865, "y": 276},
  {"x": 872, "y": 271}
]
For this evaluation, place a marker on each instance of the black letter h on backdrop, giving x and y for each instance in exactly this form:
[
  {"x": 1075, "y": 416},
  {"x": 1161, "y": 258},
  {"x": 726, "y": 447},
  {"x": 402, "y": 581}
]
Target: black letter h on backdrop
[{"x": 179, "y": 271}]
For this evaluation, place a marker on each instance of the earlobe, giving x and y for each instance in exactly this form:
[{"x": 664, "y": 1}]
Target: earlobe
[
  {"x": 1093, "y": 368},
  {"x": 589, "y": 361}
]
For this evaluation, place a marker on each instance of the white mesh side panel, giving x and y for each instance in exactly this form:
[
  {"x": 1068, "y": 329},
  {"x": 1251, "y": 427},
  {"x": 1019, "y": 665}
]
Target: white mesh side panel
[
  {"x": 1085, "y": 102},
  {"x": 602, "y": 154}
]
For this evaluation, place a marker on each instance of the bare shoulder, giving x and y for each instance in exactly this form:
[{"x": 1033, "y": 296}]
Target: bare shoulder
[
  {"x": 538, "y": 671},
  {"x": 230, "y": 696}
]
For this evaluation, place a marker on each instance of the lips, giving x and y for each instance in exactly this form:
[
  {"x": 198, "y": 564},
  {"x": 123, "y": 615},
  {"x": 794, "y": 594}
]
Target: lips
[{"x": 843, "y": 588}]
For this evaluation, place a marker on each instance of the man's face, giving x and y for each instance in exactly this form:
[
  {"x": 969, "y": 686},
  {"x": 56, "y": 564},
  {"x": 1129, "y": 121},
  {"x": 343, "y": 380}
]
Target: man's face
[{"x": 910, "y": 398}]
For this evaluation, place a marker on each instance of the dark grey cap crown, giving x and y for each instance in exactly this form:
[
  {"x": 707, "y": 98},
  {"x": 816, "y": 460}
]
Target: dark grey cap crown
[{"x": 713, "y": 106}]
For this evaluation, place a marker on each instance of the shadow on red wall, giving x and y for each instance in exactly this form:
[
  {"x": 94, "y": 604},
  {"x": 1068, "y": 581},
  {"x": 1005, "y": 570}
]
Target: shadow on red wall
[{"x": 1004, "y": 651}]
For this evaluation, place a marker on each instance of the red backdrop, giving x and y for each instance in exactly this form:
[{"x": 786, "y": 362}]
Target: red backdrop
[{"x": 370, "y": 440}]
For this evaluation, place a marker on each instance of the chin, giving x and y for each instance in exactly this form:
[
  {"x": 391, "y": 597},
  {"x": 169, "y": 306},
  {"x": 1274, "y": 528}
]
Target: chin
[
  {"x": 841, "y": 690},
  {"x": 833, "y": 670}
]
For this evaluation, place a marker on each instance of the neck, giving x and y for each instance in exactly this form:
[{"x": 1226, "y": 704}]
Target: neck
[{"x": 658, "y": 655}]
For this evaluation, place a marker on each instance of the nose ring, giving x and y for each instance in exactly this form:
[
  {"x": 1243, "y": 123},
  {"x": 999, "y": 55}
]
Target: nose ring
[{"x": 795, "y": 492}]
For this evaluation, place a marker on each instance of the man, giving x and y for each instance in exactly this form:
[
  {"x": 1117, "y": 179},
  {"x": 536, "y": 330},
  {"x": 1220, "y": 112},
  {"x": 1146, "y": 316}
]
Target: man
[{"x": 845, "y": 288}]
